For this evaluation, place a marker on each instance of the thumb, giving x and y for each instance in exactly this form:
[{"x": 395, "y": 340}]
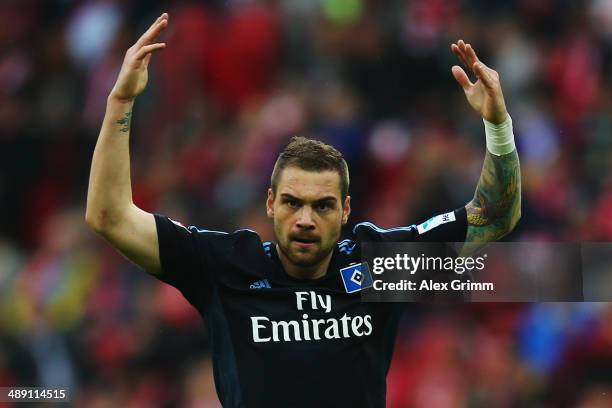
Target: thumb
[{"x": 461, "y": 77}]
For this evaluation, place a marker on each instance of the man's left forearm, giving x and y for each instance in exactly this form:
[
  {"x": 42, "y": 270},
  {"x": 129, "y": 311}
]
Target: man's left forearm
[{"x": 496, "y": 206}]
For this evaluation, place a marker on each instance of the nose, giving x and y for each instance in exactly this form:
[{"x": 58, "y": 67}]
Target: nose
[{"x": 305, "y": 218}]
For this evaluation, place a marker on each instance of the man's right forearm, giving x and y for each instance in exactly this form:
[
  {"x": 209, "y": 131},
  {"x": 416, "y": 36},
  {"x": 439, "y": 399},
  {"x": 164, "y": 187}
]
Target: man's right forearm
[{"x": 110, "y": 191}]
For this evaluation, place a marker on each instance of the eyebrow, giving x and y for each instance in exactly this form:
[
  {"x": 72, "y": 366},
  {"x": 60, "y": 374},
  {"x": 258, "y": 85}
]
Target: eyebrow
[{"x": 320, "y": 200}]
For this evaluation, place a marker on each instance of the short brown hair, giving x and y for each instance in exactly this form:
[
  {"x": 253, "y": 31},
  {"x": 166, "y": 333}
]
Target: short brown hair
[{"x": 311, "y": 155}]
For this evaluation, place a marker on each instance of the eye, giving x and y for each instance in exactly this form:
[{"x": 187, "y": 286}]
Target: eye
[
  {"x": 291, "y": 203},
  {"x": 323, "y": 206}
]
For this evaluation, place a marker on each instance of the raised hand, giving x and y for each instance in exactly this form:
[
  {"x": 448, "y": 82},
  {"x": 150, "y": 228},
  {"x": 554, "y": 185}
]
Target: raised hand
[
  {"x": 133, "y": 76},
  {"x": 485, "y": 95}
]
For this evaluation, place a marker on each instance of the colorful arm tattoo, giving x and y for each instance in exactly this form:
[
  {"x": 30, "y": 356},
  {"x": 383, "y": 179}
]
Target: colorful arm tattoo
[{"x": 496, "y": 206}]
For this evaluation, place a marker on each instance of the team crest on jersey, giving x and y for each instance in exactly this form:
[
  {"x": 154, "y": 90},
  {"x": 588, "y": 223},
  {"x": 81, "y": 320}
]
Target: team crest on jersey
[
  {"x": 433, "y": 222},
  {"x": 356, "y": 277}
]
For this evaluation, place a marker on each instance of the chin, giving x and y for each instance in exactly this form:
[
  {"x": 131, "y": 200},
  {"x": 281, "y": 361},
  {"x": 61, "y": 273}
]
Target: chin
[
  {"x": 307, "y": 259},
  {"x": 301, "y": 260}
]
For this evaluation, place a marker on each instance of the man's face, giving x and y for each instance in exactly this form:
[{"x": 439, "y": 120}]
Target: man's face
[{"x": 308, "y": 214}]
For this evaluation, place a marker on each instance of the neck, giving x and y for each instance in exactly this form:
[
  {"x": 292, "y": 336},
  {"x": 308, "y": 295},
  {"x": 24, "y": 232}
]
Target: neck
[{"x": 304, "y": 272}]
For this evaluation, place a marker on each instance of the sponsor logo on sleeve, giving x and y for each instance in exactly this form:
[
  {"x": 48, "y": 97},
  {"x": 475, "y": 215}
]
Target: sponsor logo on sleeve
[{"x": 436, "y": 221}]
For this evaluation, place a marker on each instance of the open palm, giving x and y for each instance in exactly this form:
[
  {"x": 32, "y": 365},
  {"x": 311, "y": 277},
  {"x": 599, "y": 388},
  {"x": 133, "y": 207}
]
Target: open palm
[
  {"x": 485, "y": 95},
  {"x": 133, "y": 76}
]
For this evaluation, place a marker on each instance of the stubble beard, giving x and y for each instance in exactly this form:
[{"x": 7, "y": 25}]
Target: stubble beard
[{"x": 308, "y": 261}]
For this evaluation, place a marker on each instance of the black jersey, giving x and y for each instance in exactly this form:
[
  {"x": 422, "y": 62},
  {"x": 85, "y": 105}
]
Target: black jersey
[{"x": 277, "y": 341}]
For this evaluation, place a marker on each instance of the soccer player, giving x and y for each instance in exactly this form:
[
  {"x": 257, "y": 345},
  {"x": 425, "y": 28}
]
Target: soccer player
[{"x": 287, "y": 328}]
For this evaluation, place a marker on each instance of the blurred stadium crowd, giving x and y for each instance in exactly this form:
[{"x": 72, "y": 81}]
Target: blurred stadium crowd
[{"x": 235, "y": 81}]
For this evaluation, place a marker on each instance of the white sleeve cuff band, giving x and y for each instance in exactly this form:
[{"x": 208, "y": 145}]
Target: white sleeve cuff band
[{"x": 500, "y": 139}]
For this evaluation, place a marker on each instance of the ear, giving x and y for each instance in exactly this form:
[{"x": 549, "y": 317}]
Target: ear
[
  {"x": 270, "y": 204},
  {"x": 346, "y": 209}
]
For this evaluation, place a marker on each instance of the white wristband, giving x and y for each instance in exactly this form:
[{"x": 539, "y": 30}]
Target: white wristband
[{"x": 500, "y": 139}]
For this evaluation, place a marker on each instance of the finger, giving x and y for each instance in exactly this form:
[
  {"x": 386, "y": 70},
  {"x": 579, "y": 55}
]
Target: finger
[
  {"x": 156, "y": 21},
  {"x": 150, "y": 35},
  {"x": 471, "y": 54},
  {"x": 147, "y": 50},
  {"x": 461, "y": 77},
  {"x": 163, "y": 16},
  {"x": 455, "y": 49},
  {"x": 480, "y": 70},
  {"x": 461, "y": 45},
  {"x": 153, "y": 31}
]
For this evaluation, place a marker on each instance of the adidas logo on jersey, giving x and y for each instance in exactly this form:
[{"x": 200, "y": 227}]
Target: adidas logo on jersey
[{"x": 262, "y": 284}]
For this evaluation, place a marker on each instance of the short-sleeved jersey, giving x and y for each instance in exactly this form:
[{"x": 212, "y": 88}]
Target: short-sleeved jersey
[{"x": 277, "y": 341}]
